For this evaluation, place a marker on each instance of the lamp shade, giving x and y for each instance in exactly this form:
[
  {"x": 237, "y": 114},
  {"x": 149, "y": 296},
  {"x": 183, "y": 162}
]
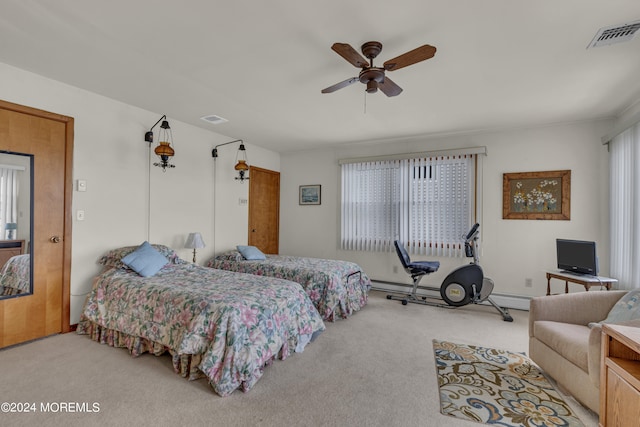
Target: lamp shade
[
  {"x": 10, "y": 228},
  {"x": 242, "y": 166},
  {"x": 164, "y": 149},
  {"x": 194, "y": 241}
]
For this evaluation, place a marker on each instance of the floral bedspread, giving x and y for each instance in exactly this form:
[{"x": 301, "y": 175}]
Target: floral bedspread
[
  {"x": 15, "y": 275},
  {"x": 337, "y": 288},
  {"x": 223, "y": 325}
]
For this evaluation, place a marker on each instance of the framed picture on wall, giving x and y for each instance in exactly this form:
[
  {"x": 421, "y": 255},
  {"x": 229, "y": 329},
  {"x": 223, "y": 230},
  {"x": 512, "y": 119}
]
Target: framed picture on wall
[
  {"x": 309, "y": 195},
  {"x": 537, "y": 195}
]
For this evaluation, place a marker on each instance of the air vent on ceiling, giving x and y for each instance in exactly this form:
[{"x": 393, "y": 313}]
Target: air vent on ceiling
[
  {"x": 616, "y": 34},
  {"x": 213, "y": 119}
]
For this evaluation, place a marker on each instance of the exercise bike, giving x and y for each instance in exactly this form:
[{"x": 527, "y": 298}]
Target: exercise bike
[{"x": 464, "y": 285}]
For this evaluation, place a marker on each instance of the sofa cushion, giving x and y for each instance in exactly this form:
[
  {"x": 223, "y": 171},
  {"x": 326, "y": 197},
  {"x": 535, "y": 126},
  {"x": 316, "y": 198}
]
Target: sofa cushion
[{"x": 568, "y": 340}]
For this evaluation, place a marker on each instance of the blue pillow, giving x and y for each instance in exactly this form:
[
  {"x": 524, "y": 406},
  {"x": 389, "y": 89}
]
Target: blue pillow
[
  {"x": 250, "y": 252},
  {"x": 146, "y": 260}
]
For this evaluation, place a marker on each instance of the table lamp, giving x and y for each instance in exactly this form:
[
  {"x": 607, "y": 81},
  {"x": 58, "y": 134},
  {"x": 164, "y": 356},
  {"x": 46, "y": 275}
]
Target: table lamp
[
  {"x": 11, "y": 228},
  {"x": 194, "y": 241}
]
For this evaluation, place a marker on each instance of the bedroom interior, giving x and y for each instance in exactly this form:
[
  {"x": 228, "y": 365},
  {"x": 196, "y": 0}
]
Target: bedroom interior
[{"x": 533, "y": 101}]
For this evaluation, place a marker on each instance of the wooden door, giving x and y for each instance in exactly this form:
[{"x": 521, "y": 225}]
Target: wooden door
[
  {"x": 49, "y": 137},
  {"x": 264, "y": 209}
]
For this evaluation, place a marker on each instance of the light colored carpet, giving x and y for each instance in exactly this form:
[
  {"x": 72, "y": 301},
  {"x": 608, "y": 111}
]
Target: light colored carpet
[
  {"x": 497, "y": 387},
  {"x": 374, "y": 369}
]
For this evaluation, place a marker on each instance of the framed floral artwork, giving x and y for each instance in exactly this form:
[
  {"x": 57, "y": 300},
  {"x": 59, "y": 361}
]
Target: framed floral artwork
[{"x": 537, "y": 195}]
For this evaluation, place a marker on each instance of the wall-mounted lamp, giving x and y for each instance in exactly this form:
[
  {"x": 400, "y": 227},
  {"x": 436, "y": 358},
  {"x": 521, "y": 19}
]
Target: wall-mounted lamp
[
  {"x": 194, "y": 241},
  {"x": 241, "y": 159},
  {"x": 164, "y": 150}
]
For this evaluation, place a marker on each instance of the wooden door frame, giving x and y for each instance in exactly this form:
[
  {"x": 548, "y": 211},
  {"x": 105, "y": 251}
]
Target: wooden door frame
[{"x": 68, "y": 195}]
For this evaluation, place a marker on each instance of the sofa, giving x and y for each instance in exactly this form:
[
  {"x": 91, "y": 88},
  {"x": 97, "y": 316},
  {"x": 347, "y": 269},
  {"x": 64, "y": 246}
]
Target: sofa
[{"x": 564, "y": 338}]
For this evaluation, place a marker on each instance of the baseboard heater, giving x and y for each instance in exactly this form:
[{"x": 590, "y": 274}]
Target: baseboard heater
[{"x": 517, "y": 302}]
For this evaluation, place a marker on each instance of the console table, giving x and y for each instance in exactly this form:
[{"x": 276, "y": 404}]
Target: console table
[
  {"x": 584, "y": 280},
  {"x": 620, "y": 376}
]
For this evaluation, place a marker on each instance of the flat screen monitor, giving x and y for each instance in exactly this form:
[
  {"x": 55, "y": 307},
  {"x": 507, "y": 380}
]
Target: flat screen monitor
[{"x": 577, "y": 256}]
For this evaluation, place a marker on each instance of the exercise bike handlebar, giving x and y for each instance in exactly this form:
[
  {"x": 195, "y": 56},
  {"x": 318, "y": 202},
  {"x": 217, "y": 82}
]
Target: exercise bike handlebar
[{"x": 471, "y": 234}]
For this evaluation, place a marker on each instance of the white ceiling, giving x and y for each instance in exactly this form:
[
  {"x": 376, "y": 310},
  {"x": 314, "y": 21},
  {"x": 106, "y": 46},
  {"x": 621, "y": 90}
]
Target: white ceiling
[{"x": 262, "y": 64}]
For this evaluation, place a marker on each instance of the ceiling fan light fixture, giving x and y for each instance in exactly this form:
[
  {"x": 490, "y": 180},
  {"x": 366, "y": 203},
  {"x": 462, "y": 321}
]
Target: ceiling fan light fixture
[{"x": 374, "y": 77}]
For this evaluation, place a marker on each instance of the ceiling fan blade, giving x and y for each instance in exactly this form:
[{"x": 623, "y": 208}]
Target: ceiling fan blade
[
  {"x": 389, "y": 88},
  {"x": 350, "y": 54},
  {"x": 416, "y": 55},
  {"x": 340, "y": 85}
]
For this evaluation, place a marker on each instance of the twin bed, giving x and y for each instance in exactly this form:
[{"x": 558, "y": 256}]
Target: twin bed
[
  {"x": 222, "y": 325},
  {"x": 337, "y": 288},
  {"x": 15, "y": 275}
]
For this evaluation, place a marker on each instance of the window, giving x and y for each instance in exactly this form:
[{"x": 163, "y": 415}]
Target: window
[
  {"x": 8, "y": 197},
  {"x": 624, "y": 214},
  {"x": 428, "y": 203}
]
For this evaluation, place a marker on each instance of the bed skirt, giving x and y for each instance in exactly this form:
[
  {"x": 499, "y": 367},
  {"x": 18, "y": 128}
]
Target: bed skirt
[{"x": 184, "y": 364}]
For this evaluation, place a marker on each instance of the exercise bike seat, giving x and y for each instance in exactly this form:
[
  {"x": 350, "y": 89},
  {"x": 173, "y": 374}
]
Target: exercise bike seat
[{"x": 415, "y": 268}]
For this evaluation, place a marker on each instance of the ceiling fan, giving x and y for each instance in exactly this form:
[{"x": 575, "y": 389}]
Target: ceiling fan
[{"x": 374, "y": 77}]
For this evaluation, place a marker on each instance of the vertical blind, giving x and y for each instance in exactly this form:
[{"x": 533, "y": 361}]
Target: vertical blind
[
  {"x": 370, "y": 205},
  {"x": 8, "y": 196},
  {"x": 425, "y": 202},
  {"x": 624, "y": 217}
]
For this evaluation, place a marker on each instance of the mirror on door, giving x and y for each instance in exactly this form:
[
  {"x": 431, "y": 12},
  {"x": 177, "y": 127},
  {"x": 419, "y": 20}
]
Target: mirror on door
[{"x": 16, "y": 219}]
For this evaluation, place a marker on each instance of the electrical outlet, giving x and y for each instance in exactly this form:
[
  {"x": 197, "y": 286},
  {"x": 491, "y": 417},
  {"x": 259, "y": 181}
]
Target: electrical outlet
[{"x": 528, "y": 283}]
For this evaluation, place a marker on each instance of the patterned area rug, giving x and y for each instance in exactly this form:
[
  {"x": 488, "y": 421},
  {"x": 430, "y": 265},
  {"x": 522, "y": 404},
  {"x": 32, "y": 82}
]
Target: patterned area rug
[{"x": 497, "y": 387}]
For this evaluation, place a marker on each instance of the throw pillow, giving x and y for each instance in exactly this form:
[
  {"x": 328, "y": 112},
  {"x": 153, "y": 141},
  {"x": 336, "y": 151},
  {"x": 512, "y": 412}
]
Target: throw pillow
[
  {"x": 113, "y": 258},
  {"x": 627, "y": 308},
  {"x": 146, "y": 261},
  {"x": 251, "y": 252}
]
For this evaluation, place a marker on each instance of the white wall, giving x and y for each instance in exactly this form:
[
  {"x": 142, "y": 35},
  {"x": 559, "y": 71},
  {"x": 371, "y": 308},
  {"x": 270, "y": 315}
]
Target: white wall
[
  {"x": 111, "y": 155},
  {"x": 511, "y": 250}
]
